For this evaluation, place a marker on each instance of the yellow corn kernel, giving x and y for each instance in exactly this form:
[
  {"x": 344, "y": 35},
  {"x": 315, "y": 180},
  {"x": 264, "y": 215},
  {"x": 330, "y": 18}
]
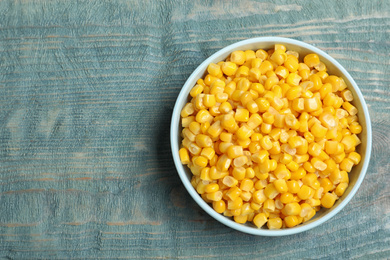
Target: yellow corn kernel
[
  {"x": 312, "y": 104},
  {"x": 221, "y": 97},
  {"x": 205, "y": 174},
  {"x": 340, "y": 189},
  {"x": 270, "y": 191},
  {"x": 254, "y": 121},
  {"x": 225, "y": 107},
  {"x": 209, "y": 79},
  {"x": 286, "y": 197},
  {"x": 293, "y": 92},
  {"x": 259, "y": 196},
  {"x": 226, "y": 137},
  {"x": 244, "y": 132},
  {"x": 254, "y": 73},
  {"x": 200, "y": 161},
  {"x": 304, "y": 73},
  {"x": 266, "y": 128},
  {"x": 230, "y": 88},
  {"x": 311, "y": 60},
  {"x": 281, "y": 171},
  {"x": 318, "y": 130},
  {"x": 265, "y": 66},
  {"x": 351, "y": 109},
  {"x": 188, "y": 134},
  {"x": 310, "y": 215},
  {"x": 223, "y": 163},
  {"x": 246, "y": 184},
  {"x": 243, "y": 84},
  {"x": 197, "y": 89},
  {"x": 305, "y": 192},
  {"x": 318, "y": 164},
  {"x": 291, "y": 221},
  {"x": 246, "y": 196},
  {"x": 240, "y": 161},
  {"x": 310, "y": 178},
  {"x": 214, "y": 160},
  {"x": 186, "y": 121},
  {"x": 355, "y": 128},
  {"x": 282, "y": 72},
  {"x": 222, "y": 146},
  {"x": 235, "y": 204},
  {"x": 239, "y": 173},
  {"x": 233, "y": 193},
  {"x": 354, "y": 157},
  {"x": 215, "y": 129},
  {"x": 291, "y": 63},
  {"x": 346, "y": 165},
  {"x": 214, "y": 70},
  {"x": 241, "y": 219},
  {"x": 292, "y": 166},
  {"x": 203, "y": 140},
  {"x": 256, "y": 62},
  {"x": 305, "y": 209},
  {"x": 203, "y": 116},
  {"x": 291, "y": 209},
  {"x": 244, "y": 142},
  {"x": 274, "y": 223},
  {"x": 229, "y": 68},
  {"x": 229, "y": 181},
  {"x": 242, "y": 115},
  {"x": 334, "y": 81},
  {"x": 269, "y": 205},
  {"x": 328, "y": 120},
  {"x": 218, "y": 86},
  {"x": 331, "y": 147},
  {"x": 242, "y": 71},
  {"x": 326, "y": 184},
  {"x": 212, "y": 187},
  {"x": 280, "y": 185},
  {"x": 184, "y": 156},
  {"x": 328, "y": 200},
  {"x": 348, "y": 141},
  {"x": 194, "y": 127},
  {"x": 266, "y": 143},
  {"x": 314, "y": 149},
  {"x": 279, "y": 57},
  {"x": 228, "y": 122},
  {"x": 187, "y": 110},
  {"x": 347, "y": 95},
  {"x": 200, "y": 188},
  {"x": 257, "y": 87},
  {"x": 238, "y": 57},
  {"x": 219, "y": 206},
  {"x": 287, "y": 159},
  {"x": 293, "y": 79},
  {"x": 293, "y": 186},
  {"x": 260, "y": 219},
  {"x": 263, "y": 104},
  {"x": 234, "y": 151}
]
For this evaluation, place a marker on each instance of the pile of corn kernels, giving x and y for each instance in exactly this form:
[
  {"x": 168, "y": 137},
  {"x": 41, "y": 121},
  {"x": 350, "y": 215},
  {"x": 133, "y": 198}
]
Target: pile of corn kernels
[{"x": 270, "y": 138}]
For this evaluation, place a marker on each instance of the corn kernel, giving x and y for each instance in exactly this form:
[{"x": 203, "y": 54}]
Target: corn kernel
[
  {"x": 219, "y": 206},
  {"x": 274, "y": 223},
  {"x": 260, "y": 219},
  {"x": 328, "y": 200}
]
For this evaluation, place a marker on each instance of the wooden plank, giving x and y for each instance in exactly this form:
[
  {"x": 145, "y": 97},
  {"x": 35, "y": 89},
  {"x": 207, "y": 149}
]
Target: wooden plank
[{"x": 86, "y": 95}]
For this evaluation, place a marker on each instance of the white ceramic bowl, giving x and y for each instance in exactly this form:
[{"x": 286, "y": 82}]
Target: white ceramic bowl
[{"x": 357, "y": 174}]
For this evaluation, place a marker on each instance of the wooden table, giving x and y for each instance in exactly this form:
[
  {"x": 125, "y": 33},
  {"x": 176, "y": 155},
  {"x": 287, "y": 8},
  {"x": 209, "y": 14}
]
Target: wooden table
[{"x": 87, "y": 91}]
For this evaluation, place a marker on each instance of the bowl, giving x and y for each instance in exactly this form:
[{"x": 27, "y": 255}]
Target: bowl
[{"x": 357, "y": 174}]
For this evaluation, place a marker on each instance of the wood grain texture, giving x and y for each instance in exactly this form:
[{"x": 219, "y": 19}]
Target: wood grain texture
[{"x": 86, "y": 95}]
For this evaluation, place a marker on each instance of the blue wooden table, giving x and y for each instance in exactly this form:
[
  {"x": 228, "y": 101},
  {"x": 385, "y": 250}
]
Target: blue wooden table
[{"x": 87, "y": 90}]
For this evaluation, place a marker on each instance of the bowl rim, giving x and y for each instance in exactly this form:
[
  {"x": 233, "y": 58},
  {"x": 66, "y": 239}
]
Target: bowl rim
[{"x": 180, "y": 168}]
